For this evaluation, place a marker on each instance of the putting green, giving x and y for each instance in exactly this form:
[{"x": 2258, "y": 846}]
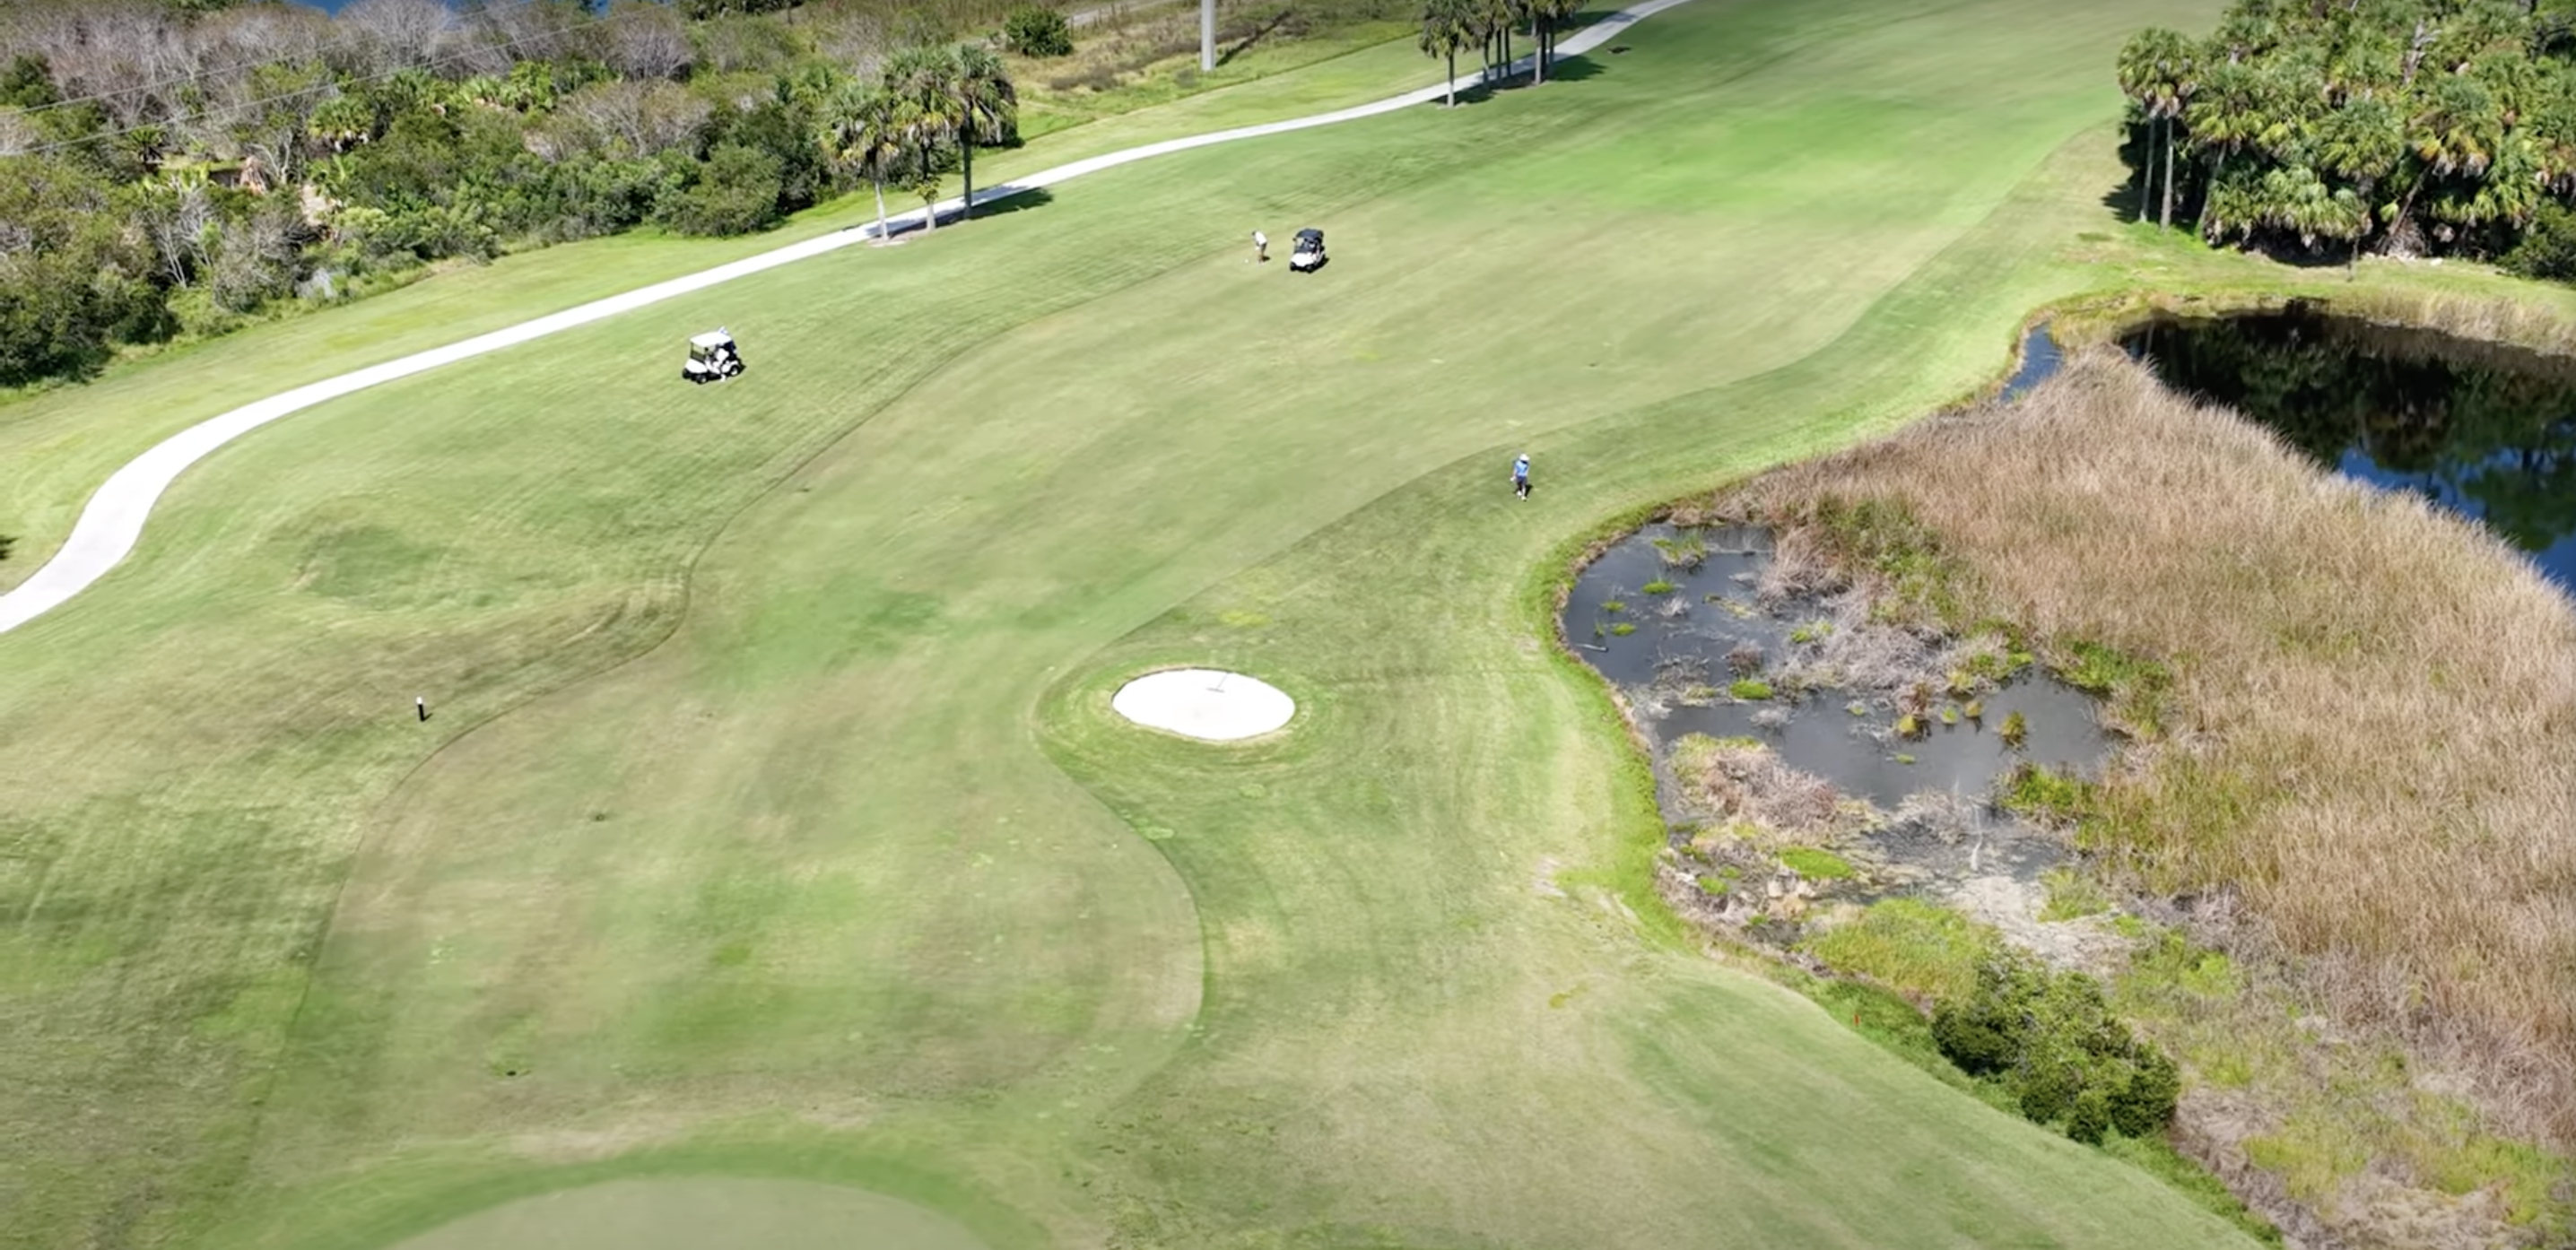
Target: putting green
[
  {"x": 692, "y": 1213},
  {"x": 774, "y": 816}
]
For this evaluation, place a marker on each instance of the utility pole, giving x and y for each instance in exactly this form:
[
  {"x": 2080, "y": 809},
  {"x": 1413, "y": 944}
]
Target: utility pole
[{"x": 1207, "y": 36}]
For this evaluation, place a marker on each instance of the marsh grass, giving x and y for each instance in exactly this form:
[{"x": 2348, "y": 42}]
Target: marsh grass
[
  {"x": 1816, "y": 863},
  {"x": 2072, "y": 895},
  {"x": 1921, "y": 950},
  {"x": 2362, "y": 704}
]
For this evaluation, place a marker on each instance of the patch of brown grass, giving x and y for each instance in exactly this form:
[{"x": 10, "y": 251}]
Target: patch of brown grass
[
  {"x": 2372, "y": 737},
  {"x": 1748, "y": 782}
]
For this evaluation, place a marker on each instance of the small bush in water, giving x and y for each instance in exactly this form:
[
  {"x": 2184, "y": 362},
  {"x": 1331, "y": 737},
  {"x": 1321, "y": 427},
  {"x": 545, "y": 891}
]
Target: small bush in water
[
  {"x": 1656, "y": 587},
  {"x": 1750, "y": 689},
  {"x": 2014, "y": 729},
  {"x": 2043, "y": 795},
  {"x": 1624, "y": 628}
]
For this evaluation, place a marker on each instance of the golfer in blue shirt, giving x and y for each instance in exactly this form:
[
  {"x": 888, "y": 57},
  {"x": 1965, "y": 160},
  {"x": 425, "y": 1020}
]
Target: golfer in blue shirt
[{"x": 1520, "y": 476}]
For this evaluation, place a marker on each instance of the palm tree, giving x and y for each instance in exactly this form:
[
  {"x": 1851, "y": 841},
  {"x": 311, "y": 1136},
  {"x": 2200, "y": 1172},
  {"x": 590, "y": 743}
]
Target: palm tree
[
  {"x": 1545, "y": 17},
  {"x": 2295, "y": 199},
  {"x": 1506, "y": 14},
  {"x": 2159, "y": 70},
  {"x": 865, "y": 134},
  {"x": 2223, "y": 117},
  {"x": 2363, "y": 142},
  {"x": 1447, "y": 26},
  {"x": 925, "y": 109},
  {"x": 988, "y": 107}
]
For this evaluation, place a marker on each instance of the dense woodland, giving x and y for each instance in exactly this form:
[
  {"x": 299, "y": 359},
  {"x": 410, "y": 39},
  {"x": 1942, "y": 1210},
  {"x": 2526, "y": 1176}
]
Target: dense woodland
[
  {"x": 2336, "y": 127},
  {"x": 173, "y": 167}
]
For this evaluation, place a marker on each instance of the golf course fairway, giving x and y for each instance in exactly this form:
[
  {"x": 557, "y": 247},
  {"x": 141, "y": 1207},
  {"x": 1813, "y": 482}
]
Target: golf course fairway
[{"x": 772, "y": 857}]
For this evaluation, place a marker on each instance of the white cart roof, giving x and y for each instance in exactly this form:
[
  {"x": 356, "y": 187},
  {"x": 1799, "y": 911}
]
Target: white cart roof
[{"x": 712, "y": 338}]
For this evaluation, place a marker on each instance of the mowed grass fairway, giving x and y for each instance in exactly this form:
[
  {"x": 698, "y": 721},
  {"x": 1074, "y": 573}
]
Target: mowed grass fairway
[{"x": 772, "y": 822}]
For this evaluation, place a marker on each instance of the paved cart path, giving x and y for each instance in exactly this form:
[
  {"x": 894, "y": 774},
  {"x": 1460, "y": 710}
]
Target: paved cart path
[{"x": 112, "y": 522}]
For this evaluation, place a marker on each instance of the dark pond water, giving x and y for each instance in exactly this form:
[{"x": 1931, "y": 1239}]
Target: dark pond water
[
  {"x": 2040, "y": 360},
  {"x": 2486, "y": 430},
  {"x": 1681, "y": 638}
]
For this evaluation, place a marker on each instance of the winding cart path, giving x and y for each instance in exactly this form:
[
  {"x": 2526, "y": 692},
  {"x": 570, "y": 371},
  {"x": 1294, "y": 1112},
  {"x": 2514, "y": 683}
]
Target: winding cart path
[{"x": 112, "y": 522}]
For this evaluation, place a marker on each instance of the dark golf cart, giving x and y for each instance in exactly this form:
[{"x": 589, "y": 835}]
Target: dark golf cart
[
  {"x": 1308, "y": 253},
  {"x": 712, "y": 358}
]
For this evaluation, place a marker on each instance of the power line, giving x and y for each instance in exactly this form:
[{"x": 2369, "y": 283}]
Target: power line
[
  {"x": 203, "y": 114},
  {"x": 345, "y": 39}
]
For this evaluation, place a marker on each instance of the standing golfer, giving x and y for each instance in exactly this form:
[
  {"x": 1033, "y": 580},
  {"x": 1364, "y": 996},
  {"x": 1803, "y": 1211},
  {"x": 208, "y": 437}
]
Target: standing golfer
[
  {"x": 1260, "y": 246},
  {"x": 1520, "y": 476},
  {"x": 420, "y": 703}
]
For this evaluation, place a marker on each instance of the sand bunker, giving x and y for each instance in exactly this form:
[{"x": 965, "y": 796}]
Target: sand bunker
[{"x": 1205, "y": 703}]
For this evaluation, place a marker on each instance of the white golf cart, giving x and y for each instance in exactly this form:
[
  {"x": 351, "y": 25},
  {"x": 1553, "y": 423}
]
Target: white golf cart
[
  {"x": 1307, "y": 255},
  {"x": 712, "y": 358}
]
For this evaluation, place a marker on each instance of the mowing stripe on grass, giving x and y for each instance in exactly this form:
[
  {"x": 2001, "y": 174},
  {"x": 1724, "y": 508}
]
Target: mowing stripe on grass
[{"x": 113, "y": 520}]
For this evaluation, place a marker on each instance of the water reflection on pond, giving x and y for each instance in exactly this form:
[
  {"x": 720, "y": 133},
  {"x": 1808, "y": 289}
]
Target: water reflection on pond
[{"x": 2487, "y": 430}]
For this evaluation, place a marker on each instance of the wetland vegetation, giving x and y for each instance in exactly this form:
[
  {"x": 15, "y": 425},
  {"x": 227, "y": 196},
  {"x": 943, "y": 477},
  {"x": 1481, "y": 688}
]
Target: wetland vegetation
[{"x": 2373, "y": 1024}]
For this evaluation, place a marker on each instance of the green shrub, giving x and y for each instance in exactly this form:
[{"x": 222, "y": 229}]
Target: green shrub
[
  {"x": 1657, "y": 587},
  {"x": 1750, "y": 689},
  {"x": 2051, "y": 1040},
  {"x": 736, "y": 193},
  {"x": 2548, "y": 247},
  {"x": 1032, "y": 31},
  {"x": 2142, "y": 1105},
  {"x": 1977, "y": 1044},
  {"x": 1624, "y": 628},
  {"x": 2089, "y": 1119}
]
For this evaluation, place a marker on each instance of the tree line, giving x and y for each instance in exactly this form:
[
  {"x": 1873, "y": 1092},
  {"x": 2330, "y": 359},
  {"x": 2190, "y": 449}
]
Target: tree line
[
  {"x": 173, "y": 166},
  {"x": 1450, "y": 27},
  {"x": 2406, "y": 127}
]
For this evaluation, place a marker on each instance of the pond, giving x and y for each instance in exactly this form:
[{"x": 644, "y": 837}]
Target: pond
[
  {"x": 1671, "y": 616},
  {"x": 2486, "y": 430},
  {"x": 1657, "y": 643}
]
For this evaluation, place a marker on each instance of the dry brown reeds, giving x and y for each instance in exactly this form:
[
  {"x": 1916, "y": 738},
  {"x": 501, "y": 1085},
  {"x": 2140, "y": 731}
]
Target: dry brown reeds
[
  {"x": 2372, "y": 723},
  {"x": 1748, "y": 782}
]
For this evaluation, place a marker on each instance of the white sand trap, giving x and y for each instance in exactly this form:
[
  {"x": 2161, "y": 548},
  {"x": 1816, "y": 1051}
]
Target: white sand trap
[{"x": 1205, "y": 703}]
